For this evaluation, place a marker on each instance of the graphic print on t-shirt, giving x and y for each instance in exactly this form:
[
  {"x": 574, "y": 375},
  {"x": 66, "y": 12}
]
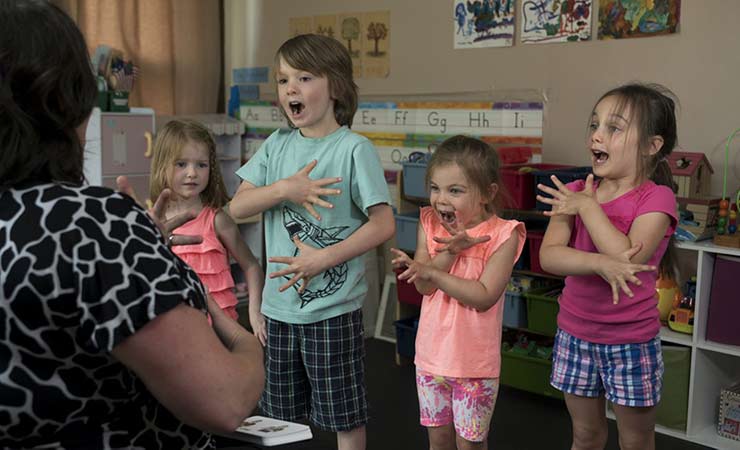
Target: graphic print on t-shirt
[{"x": 333, "y": 278}]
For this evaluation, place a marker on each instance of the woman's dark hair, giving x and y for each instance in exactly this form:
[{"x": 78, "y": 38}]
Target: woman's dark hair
[
  {"x": 652, "y": 113},
  {"x": 47, "y": 91},
  {"x": 478, "y": 161},
  {"x": 325, "y": 57}
]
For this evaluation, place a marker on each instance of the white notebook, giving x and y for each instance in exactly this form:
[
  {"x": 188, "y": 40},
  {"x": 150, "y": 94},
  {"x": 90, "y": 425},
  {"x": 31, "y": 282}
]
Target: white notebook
[{"x": 269, "y": 432}]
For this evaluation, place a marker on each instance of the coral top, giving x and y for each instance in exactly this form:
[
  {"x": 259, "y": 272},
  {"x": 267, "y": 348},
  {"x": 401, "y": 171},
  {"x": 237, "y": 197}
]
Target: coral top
[
  {"x": 455, "y": 340},
  {"x": 209, "y": 259}
]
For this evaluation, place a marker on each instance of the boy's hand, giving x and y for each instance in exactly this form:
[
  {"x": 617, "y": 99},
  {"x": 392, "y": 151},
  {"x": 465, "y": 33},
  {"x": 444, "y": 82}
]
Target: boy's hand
[
  {"x": 564, "y": 201},
  {"x": 158, "y": 214},
  {"x": 619, "y": 270},
  {"x": 302, "y": 190},
  {"x": 303, "y": 266},
  {"x": 415, "y": 270},
  {"x": 459, "y": 239},
  {"x": 257, "y": 321}
]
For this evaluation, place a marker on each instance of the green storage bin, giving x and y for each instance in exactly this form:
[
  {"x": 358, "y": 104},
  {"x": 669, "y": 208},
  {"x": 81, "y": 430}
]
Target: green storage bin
[
  {"x": 542, "y": 310},
  {"x": 673, "y": 409},
  {"x": 528, "y": 374}
]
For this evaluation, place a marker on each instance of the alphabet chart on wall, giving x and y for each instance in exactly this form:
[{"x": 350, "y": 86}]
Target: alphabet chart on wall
[{"x": 399, "y": 128}]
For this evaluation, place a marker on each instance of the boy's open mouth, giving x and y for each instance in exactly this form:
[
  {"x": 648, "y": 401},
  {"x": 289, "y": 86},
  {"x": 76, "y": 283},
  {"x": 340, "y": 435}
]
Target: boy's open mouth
[{"x": 296, "y": 107}]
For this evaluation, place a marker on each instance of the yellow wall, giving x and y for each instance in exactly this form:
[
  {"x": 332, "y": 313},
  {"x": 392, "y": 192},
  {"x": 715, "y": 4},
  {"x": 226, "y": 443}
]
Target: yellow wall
[{"x": 701, "y": 64}]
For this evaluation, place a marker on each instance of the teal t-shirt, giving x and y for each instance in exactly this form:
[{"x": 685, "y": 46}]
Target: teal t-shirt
[{"x": 345, "y": 154}]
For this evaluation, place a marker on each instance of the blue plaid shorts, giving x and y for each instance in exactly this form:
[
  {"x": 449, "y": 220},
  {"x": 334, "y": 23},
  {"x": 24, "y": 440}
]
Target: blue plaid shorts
[
  {"x": 626, "y": 374},
  {"x": 317, "y": 370}
]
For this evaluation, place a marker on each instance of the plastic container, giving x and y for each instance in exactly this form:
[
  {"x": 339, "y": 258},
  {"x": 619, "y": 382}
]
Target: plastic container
[
  {"x": 542, "y": 310},
  {"x": 414, "y": 174},
  {"x": 565, "y": 175},
  {"x": 534, "y": 238},
  {"x": 406, "y": 226},
  {"x": 406, "y": 336},
  {"x": 407, "y": 292},
  {"x": 519, "y": 182},
  {"x": 527, "y": 373},
  {"x": 515, "y": 310},
  {"x": 672, "y": 412}
]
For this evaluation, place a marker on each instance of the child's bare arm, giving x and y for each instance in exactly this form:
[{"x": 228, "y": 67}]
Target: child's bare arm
[
  {"x": 310, "y": 261},
  {"x": 299, "y": 189},
  {"x": 228, "y": 233}
]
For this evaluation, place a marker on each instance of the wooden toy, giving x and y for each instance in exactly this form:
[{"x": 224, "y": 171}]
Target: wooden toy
[
  {"x": 697, "y": 217},
  {"x": 681, "y": 317},
  {"x": 727, "y": 234},
  {"x": 692, "y": 173}
]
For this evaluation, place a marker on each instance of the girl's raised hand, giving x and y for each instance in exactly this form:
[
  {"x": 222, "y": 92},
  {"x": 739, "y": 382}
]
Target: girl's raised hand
[
  {"x": 563, "y": 200},
  {"x": 302, "y": 190},
  {"x": 619, "y": 270},
  {"x": 304, "y": 266},
  {"x": 459, "y": 239}
]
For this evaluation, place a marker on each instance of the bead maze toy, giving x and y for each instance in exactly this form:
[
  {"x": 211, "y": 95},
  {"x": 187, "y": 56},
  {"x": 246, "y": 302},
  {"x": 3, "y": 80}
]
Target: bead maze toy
[{"x": 727, "y": 234}]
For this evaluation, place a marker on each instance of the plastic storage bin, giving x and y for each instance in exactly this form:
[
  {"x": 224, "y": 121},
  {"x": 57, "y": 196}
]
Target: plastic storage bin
[
  {"x": 406, "y": 226},
  {"x": 566, "y": 175},
  {"x": 515, "y": 310},
  {"x": 519, "y": 182},
  {"x": 527, "y": 373},
  {"x": 407, "y": 292},
  {"x": 672, "y": 412},
  {"x": 406, "y": 336},
  {"x": 534, "y": 238},
  {"x": 414, "y": 174},
  {"x": 724, "y": 307},
  {"x": 542, "y": 310}
]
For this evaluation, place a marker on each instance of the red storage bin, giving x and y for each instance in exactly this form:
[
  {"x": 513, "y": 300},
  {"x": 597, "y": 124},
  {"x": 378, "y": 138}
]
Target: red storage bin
[
  {"x": 406, "y": 292},
  {"x": 535, "y": 242},
  {"x": 519, "y": 181}
]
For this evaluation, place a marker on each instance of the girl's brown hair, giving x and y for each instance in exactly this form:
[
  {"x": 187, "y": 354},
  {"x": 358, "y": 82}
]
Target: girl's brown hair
[
  {"x": 167, "y": 149},
  {"x": 478, "y": 161},
  {"x": 652, "y": 113},
  {"x": 325, "y": 57}
]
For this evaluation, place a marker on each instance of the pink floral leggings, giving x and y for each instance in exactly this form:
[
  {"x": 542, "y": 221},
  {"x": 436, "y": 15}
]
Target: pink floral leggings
[{"x": 466, "y": 402}]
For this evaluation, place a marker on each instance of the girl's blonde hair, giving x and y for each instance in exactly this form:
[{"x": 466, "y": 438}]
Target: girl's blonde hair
[
  {"x": 168, "y": 148},
  {"x": 478, "y": 161}
]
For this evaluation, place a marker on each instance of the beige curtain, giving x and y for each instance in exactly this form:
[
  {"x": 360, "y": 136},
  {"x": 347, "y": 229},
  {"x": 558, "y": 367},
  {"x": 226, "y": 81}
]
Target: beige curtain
[{"x": 177, "y": 45}]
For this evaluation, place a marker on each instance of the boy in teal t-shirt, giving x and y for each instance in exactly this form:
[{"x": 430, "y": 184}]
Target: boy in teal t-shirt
[{"x": 313, "y": 296}]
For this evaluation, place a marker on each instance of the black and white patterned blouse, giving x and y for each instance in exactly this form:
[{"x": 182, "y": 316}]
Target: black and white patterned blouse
[{"x": 81, "y": 269}]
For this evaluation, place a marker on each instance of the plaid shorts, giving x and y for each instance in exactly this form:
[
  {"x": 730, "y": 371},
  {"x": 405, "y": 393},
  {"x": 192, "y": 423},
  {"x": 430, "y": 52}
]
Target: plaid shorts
[
  {"x": 317, "y": 370},
  {"x": 627, "y": 374}
]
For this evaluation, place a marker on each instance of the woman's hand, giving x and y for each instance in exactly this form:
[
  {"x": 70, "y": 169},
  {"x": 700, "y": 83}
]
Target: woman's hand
[
  {"x": 157, "y": 214},
  {"x": 305, "y": 265},
  {"x": 619, "y": 270},
  {"x": 302, "y": 190},
  {"x": 415, "y": 270},
  {"x": 459, "y": 239},
  {"x": 564, "y": 201}
]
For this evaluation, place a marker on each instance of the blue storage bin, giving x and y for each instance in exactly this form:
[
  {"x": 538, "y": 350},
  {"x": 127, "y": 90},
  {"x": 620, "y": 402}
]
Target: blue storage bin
[
  {"x": 564, "y": 175},
  {"x": 406, "y": 226},
  {"x": 414, "y": 174},
  {"x": 406, "y": 336},
  {"x": 515, "y": 310}
]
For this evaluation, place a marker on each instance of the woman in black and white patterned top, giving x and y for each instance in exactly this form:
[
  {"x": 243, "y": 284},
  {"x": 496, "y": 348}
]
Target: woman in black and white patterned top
[{"x": 104, "y": 336}]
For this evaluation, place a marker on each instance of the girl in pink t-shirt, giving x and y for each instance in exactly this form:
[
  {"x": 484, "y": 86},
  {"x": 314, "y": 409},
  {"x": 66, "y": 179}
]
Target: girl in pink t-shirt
[
  {"x": 607, "y": 238},
  {"x": 463, "y": 261},
  {"x": 185, "y": 162}
]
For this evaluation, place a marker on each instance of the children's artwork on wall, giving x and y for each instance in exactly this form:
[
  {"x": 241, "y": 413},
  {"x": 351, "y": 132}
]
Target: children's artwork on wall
[
  {"x": 376, "y": 30},
  {"x": 483, "y": 23},
  {"x": 300, "y": 25},
  {"x": 545, "y": 21},
  {"x": 366, "y": 36},
  {"x": 620, "y": 19}
]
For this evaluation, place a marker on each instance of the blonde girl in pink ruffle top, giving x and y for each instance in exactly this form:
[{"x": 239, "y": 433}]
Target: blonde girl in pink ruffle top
[{"x": 185, "y": 162}]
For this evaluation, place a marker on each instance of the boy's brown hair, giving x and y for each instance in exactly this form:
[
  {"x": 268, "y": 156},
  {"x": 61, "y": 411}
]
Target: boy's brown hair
[
  {"x": 325, "y": 57},
  {"x": 167, "y": 149}
]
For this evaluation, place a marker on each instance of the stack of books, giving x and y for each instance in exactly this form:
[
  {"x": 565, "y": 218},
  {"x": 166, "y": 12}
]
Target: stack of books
[
  {"x": 697, "y": 218},
  {"x": 267, "y": 432}
]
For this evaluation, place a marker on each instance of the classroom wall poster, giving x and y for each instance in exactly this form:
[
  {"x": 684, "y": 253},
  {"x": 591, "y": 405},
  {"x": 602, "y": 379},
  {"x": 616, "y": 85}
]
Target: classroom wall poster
[
  {"x": 620, "y": 19},
  {"x": 483, "y": 23},
  {"x": 546, "y": 21},
  {"x": 365, "y": 35}
]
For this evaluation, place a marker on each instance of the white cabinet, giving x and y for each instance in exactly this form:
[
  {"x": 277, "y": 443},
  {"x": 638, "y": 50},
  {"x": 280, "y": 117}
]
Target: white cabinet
[{"x": 119, "y": 144}]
